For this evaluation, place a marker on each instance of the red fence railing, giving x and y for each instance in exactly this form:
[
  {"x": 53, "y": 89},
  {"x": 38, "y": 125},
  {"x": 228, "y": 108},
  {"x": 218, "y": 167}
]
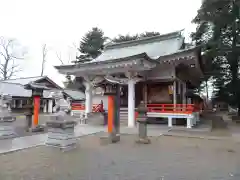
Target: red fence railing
[
  {"x": 171, "y": 108},
  {"x": 95, "y": 107}
]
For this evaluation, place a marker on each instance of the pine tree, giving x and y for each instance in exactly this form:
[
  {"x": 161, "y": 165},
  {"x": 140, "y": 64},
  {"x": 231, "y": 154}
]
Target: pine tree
[{"x": 91, "y": 45}]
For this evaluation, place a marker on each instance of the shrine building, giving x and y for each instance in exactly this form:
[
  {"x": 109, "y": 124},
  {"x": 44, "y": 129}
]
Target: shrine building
[{"x": 158, "y": 70}]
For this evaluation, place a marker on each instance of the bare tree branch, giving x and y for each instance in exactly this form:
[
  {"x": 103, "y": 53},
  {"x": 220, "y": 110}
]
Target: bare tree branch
[
  {"x": 8, "y": 55},
  {"x": 44, "y": 54},
  {"x": 59, "y": 57}
]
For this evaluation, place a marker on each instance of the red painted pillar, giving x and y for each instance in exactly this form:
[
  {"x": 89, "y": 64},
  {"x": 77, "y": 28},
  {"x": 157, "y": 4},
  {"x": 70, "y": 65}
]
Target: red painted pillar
[
  {"x": 110, "y": 113},
  {"x": 36, "y": 100}
]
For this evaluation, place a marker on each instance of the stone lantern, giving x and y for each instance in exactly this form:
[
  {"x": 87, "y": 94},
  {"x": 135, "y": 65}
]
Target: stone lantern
[
  {"x": 142, "y": 124},
  {"x": 6, "y": 119},
  {"x": 61, "y": 127}
]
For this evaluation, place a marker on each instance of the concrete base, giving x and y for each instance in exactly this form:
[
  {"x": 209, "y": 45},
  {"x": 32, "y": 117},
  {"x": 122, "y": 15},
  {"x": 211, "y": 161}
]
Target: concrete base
[
  {"x": 109, "y": 139},
  {"x": 38, "y": 128},
  {"x": 143, "y": 141},
  {"x": 61, "y": 135}
]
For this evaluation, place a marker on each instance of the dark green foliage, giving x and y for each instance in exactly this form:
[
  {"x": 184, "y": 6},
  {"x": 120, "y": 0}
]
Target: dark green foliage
[
  {"x": 124, "y": 38},
  {"x": 218, "y": 34},
  {"x": 91, "y": 45}
]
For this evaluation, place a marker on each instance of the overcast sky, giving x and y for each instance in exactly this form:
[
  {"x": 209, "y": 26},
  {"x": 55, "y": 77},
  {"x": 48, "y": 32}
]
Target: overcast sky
[{"x": 61, "y": 24}]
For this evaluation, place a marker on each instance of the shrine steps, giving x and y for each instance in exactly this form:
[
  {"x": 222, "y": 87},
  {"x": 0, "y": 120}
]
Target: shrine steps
[{"x": 123, "y": 116}]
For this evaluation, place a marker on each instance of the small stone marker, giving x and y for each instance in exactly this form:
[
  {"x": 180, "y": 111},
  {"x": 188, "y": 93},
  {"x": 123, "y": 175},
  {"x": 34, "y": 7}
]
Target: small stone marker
[
  {"x": 142, "y": 124},
  {"x": 60, "y": 128},
  {"x": 7, "y": 129}
]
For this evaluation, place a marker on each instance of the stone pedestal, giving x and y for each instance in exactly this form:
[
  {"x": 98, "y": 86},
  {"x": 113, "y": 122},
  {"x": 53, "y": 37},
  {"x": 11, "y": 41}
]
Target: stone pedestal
[
  {"x": 110, "y": 138},
  {"x": 61, "y": 134},
  {"x": 28, "y": 119},
  {"x": 142, "y": 125},
  {"x": 142, "y": 131}
]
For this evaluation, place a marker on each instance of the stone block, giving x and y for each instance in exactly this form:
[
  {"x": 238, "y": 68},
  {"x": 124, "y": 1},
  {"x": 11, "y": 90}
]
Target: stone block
[
  {"x": 143, "y": 141},
  {"x": 60, "y": 130},
  {"x": 39, "y": 128},
  {"x": 61, "y": 135},
  {"x": 60, "y": 124}
]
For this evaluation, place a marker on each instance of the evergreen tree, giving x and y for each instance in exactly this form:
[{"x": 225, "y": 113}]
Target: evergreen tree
[
  {"x": 218, "y": 33},
  {"x": 124, "y": 38},
  {"x": 91, "y": 45}
]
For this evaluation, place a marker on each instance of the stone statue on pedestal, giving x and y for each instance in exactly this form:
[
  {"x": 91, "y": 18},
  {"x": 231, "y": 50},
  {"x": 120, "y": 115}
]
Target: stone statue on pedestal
[
  {"x": 7, "y": 129},
  {"x": 61, "y": 107},
  {"x": 61, "y": 127}
]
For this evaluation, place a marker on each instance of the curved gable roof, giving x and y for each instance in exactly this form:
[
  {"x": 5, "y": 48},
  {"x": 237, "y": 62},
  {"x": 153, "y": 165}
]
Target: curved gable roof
[
  {"x": 27, "y": 80},
  {"x": 154, "y": 47}
]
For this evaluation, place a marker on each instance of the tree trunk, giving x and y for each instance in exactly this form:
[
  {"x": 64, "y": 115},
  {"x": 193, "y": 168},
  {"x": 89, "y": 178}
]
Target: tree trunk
[
  {"x": 238, "y": 105},
  {"x": 206, "y": 88}
]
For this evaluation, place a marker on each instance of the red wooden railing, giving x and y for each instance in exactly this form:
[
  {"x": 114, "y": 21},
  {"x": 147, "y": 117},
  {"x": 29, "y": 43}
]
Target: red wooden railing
[
  {"x": 171, "y": 108},
  {"x": 95, "y": 107}
]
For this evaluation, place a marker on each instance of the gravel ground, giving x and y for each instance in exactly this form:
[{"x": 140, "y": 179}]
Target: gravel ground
[{"x": 167, "y": 158}]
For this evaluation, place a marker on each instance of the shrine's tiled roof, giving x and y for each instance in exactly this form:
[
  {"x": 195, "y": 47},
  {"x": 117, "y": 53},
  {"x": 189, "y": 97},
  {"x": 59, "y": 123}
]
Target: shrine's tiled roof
[
  {"x": 27, "y": 80},
  {"x": 74, "y": 94},
  {"x": 18, "y": 90},
  {"x": 154, "y": 47},
  {"x": 24, "y": 81},
  {"x": 142, "y": 54}
]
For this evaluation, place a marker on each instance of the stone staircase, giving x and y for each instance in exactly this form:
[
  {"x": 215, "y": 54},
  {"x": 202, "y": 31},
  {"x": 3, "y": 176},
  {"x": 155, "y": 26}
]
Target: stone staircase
[{"x": 124, "y": 116}]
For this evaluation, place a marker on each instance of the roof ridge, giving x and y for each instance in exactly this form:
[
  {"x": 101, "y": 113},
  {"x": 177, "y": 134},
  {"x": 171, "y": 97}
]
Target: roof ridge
[
  {"x": 24, "y": 78},
  {"x": 137, "y": 41},
  {"x": 11, "y": 83}
]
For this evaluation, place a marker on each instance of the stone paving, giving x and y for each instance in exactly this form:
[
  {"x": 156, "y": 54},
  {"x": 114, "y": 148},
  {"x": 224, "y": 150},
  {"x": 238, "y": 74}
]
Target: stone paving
[
  {"x": 167, "y": 158},
  {"x": 10, "y": 145},
  {"x": 15, "y": 144}
]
